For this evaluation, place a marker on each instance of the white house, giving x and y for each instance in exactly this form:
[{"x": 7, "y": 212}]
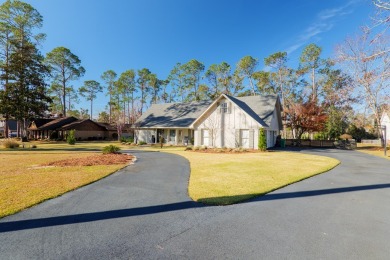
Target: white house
[
  {"x": 227, "y": 122},
  {"x": 385, "y": 121}
]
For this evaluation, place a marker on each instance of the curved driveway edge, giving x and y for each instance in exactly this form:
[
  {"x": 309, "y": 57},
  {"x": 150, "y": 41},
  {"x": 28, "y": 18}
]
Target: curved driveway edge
[{"x": 143, "y": 212}]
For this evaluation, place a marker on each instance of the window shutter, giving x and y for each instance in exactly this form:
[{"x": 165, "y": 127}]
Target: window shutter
[
  {"x": 251, "y": 138},
  {"x": 211, "y": 139},
  {"x": 222, "y": 137},
  {"x": 238, "y": 141}
]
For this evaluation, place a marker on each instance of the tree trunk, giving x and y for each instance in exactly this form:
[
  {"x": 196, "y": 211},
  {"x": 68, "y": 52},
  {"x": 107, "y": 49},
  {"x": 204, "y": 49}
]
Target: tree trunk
[
  {"x": 63, "y": 91},
  {"x": 110, "y": 104},
  {"x": 91, "y": 108},
  {"x": 314, "y": 90},
  {"x": 132, "y": 107}
]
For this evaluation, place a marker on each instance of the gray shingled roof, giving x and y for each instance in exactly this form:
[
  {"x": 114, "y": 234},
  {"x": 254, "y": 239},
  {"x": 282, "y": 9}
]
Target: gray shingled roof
[
  {"x": 258, "y": 107},
  {"x": 184, "y": 114},
  {"x": 172, "y": 114}
]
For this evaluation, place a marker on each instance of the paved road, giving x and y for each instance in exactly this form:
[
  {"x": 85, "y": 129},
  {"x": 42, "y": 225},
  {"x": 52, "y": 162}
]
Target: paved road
[{"x": 143, "y": 212}]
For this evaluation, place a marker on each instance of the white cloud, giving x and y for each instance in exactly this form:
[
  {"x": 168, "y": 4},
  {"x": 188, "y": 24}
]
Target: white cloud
[{"x": 324, "y": 22}]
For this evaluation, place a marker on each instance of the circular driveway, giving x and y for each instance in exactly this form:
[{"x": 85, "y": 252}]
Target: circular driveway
[{"x": 143, "y": 212}]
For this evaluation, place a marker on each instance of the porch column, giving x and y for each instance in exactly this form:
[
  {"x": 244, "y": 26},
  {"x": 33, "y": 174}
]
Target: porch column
[
  {"x": 155, "y": 136},
  {"x": 176, "y": 136}
]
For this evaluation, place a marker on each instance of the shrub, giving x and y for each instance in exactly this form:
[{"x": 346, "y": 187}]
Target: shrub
[
  {"x": 33, "y": 146},
  {"x": 262, "y": 140},
  {"x": 188, "y": 148},
  {"x": 196, "y": 148},
  {"x": 127, "y": 139},
  {"x": 71, "y": 139},
  {"x": 110, "y": 149},
  {"x": 9, "y": 143},
  {"x": 141, "y": 143}
]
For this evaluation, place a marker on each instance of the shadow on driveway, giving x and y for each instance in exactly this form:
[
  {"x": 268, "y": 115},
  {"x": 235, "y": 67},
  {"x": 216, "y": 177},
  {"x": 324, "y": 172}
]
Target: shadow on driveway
[{"x": 122, "y": 213}]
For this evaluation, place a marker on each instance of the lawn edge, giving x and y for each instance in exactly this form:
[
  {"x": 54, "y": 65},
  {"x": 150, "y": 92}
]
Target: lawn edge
[
  {"x": 253, "y": 196},
  {"x": 67, "y": 191}
]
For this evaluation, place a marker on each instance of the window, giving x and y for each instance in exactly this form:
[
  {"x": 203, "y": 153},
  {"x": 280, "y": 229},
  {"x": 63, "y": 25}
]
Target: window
[
  {"x": 205, "y": 137},
  {"x": 172, "y": 134},
  {"x": 224, "y": 108},
  {"x": 245, "y": 138}
]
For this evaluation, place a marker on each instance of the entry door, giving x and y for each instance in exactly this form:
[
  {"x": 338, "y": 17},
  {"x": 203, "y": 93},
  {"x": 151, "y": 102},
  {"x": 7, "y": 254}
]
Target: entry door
[{"x": 160, "y": 133}]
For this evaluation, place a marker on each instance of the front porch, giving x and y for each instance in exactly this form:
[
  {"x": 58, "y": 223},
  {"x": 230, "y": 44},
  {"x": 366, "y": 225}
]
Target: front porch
[{"x": 172, "y": 136}]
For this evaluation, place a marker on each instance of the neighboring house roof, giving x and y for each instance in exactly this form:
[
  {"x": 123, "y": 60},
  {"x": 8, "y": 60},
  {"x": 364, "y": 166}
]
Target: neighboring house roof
[
  {"x": 42, "y": 121},
  {"x": 54, "y": 124},
  {"x": 83, "y": 125},
  {"x": 108, "y": 126},
  {"x": 179, "y": 115},
  {"x": 113, "y": 127}
]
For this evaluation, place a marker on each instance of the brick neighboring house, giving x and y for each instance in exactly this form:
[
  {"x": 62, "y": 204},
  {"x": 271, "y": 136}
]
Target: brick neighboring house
[
  {"x": 86, "y": 129},
  {"x": 49, "y": 128}
]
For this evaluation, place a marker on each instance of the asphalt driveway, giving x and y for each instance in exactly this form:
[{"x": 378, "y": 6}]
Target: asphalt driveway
[{"x": 143, "y": 212}]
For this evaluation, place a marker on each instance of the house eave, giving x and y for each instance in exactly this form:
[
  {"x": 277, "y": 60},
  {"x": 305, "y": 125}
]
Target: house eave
[{"x": 163, "y": 127}]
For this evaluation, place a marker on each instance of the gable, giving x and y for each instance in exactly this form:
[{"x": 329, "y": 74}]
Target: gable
[
  {"x": 233, "y": 117},
  {"x": 259, "y": 108},
  {"x": 57, "y": 123}
]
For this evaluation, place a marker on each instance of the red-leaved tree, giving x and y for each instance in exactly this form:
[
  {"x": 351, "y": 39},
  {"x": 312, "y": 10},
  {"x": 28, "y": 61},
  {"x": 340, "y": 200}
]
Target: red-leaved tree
[{"x": 305, "y": 117}]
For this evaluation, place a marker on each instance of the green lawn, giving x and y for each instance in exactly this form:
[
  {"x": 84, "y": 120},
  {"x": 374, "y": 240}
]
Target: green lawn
[
  {"x": 222, "y": 179},
  {"x": 216, "y": 178},
  {"x": 376, "y": 150},
  {"x": 23, "y": 183}
]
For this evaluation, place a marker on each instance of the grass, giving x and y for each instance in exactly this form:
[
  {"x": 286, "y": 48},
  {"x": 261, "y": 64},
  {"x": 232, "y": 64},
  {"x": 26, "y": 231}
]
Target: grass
[
  {"x": 217, "y": 179},
  {"x": 23, "y": 183},
  {"x": 222, "y": 179},
  {"x": 376, "y": 150}
]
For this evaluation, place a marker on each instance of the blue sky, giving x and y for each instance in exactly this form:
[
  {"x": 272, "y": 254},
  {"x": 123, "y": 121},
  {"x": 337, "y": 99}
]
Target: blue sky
[{"x": 156, "y": 34}]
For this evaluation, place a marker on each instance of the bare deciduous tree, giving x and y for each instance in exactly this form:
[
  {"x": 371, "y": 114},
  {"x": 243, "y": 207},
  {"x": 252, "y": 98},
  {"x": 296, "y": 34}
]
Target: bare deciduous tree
[{"x": 368, "y": 63}]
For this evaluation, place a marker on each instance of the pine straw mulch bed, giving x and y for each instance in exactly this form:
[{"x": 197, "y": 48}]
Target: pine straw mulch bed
[
  {"x": 226, "y": 151},
  {"x": 98, "y": 159}
]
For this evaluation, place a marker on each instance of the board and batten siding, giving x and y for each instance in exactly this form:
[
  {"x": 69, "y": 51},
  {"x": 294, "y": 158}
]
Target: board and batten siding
[{"x": 226, "y": 128}]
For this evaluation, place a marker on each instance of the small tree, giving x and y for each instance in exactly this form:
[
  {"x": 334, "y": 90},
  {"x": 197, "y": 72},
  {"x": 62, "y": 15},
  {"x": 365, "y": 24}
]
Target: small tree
[
  {"x": 305, "y": 118},
  {"x": 71, "y": 138},
  {"x": 262, "y": 140}
]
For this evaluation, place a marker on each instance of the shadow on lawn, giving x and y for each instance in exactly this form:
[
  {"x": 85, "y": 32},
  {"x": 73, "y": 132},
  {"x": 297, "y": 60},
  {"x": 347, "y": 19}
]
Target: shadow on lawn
[
  {"x": 247, "y": 198},
  {"x": 123, "y": 213}
]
